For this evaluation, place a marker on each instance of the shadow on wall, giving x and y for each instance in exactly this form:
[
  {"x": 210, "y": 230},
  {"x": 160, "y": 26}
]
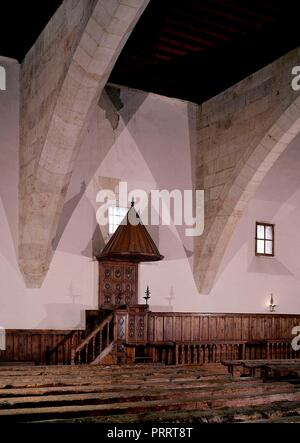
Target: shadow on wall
[
  {"x": 281, "y": 182},
  {"x": 68, "y": 209},
  {"x": 268, "y": 265},
  {"x": 95, "y": 245},
  {"x": 109, "y": 102},
  {"x": 70, "y": 314},
  {"x": 170, "y": 299}
]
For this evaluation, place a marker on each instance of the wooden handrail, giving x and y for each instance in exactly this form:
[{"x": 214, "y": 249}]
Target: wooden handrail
[
  {"x": 220, "y": 314},
  {"x": 94, "y": 333}
]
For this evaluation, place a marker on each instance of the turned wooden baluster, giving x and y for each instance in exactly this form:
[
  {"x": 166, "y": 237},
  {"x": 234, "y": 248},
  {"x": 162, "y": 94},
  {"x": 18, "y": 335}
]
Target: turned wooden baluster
[
  {"x": 72, "y": 349},
  {"x": 100, "y": 342},
  {"x": 94, "y": 347},
  {"x": 177, "y": 354},
  {"x": 244, "y": 351},
  {"x": 213, "y": 353},
  {"x": 167, "y": 356},
  {"x": 107, "y": 336},
  {"x": 163, "y": 355},
  {"x": 200, "y": 354},
  {"x": 195, "y": 359},
  {"x": 207, "y": 354},
  {"x": 217, "y": 353},
  {"x": 237, "y": 351},
  {"x": 189, "y": 354},
  {"x": 286, "y": 350},
  {"x": 171, "y": 357},
  {"x": 86, "y": 353}
]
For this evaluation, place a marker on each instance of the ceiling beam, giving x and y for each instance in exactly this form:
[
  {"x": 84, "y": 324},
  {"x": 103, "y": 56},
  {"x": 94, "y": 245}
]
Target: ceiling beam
[{"x": 197, "y": 30}]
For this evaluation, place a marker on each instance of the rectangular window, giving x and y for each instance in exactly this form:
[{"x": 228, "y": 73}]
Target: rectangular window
[
  {"x": 264, "y": 239},
  {"x": 2, "y": 79},
  {"x": 115, "y": 216}
]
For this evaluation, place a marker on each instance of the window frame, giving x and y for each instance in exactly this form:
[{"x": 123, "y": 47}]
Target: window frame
[
  {"x": 115, "y": 207},
  {"x": 269, "y": 225}
]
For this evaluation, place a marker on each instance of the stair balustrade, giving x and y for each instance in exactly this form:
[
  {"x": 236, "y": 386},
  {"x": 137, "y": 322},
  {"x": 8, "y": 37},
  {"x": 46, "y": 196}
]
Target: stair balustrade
[{"x": 97, "y": 345}]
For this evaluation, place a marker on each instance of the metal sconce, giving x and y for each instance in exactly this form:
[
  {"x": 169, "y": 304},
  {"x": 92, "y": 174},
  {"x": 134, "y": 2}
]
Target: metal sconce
[
  {"x": 272, "y": 306},
  {"x": 147, "y": 295}
]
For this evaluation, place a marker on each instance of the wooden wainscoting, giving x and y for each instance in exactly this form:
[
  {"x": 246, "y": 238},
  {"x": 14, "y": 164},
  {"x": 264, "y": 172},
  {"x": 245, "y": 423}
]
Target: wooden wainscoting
[
  {"x": 195, "y": 327},
  {"x": 171, "y": 338},
  {"x": 192, "y": 338},
  {"x": 39, "y": 346}
]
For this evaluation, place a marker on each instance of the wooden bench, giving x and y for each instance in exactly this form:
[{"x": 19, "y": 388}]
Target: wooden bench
[
  {"x": 260, "y": 366},
  {"x": 283, "y": 371},
  {"x": 231, "y": 364},
  {"x": 128, "y": 393}
]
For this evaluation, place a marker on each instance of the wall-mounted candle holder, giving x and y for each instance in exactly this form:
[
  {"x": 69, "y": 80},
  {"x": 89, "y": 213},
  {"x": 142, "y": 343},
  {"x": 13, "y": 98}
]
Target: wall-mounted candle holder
[{"x": 272, "y": 305}]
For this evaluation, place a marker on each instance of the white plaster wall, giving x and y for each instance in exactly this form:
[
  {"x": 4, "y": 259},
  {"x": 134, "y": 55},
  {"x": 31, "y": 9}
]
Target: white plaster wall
[
  {"x": 245, "y": 282},
  {"x": 148, "y": 124},
  {"x": 69, "y": 286},
  {"x": 150, "y": 149}
]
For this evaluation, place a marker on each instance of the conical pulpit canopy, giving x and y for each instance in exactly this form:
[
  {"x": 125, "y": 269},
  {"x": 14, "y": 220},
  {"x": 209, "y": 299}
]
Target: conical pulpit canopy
[{"x": 131, "y": 241}]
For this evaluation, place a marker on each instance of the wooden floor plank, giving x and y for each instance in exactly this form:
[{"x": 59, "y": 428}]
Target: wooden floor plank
[
  {"x": 195, "y": 384},
  {"x": 280, "y": 410},
  {"x": 100, "y": 393},
  {"x": 220, "y": 391},
  {"x": 29, "y": 414}
]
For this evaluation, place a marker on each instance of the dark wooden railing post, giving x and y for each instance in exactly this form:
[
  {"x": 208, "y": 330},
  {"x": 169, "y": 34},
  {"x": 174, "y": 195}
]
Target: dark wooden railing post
[
  {"x": 189, "y": 354},
  {"x": 182, "y": 355},
  {"x": 94, "y": 347},
  {"x": 100, "y": 342},
  {"x": 107, "y": 334},
  {"x": 176, "y": 353},
  {"x": 72, "y": 356}
]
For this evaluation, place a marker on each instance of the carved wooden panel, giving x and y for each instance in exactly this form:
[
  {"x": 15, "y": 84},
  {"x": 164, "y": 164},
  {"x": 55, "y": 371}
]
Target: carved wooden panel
[
  {"x": 192, "y": 327},
  {"x": 137, "y": 325},
  {"x": 121, "y": 327},
  {"x": 118, "y": 283}
]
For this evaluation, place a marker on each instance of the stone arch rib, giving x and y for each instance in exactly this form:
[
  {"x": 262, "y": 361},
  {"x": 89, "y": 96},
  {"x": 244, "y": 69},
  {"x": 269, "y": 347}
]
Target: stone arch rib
[
  {"x": 47, "y": 160},
  {"x": 248, "y": 173}
]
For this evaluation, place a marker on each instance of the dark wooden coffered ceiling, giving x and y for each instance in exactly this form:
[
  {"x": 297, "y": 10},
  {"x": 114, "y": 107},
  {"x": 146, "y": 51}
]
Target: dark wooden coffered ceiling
[
  {"x": 194, "y": 49},
  {"x": 189, "y": 49}
]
